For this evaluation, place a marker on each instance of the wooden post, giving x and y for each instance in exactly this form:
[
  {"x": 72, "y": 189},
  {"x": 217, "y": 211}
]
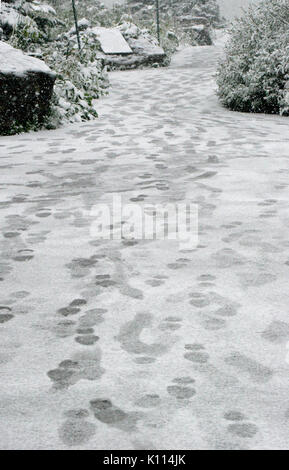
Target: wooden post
[
  {"x": 158, "y": 20},
  {"x": 76, "y": 24}
]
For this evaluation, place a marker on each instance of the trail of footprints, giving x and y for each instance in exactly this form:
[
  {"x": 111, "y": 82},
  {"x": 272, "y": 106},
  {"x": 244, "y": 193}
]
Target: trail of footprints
[
  {"x": 141, "y": 352},
  {"x": 14, "y": 305},
  {"x": 214, "y": 309},
  {"x": 86, "y": 364},
  {"x": 83, "y": 364},
  {"x": 77, "y": 428},
  {"x": 156, "y": 281},
  {"x": 182, "y": 388},
  {"x": 5, "y": 314},
  {"x": 72, "y": 323},
  {"x": 238, "y": 425},
  {"x": 196, "y": 353}
]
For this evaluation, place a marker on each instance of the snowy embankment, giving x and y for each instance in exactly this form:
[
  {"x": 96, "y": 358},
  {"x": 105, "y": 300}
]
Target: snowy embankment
[{"x": 26, "y": 86}]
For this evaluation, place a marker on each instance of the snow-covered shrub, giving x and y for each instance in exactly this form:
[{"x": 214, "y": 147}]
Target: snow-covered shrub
[
  {"x": 191, "y": 20},
  {"x": 208, "y": 9},
  {"x": 26, "y": 87},
  {"x": 35, "y": 28},
  {"x": 254, "y": 77},
  {"x": 100, "y": 15},
  {"x": 80, "y": 80},
  {"x": 27, "y": 18},
  {"x": 96, "y": 11}
]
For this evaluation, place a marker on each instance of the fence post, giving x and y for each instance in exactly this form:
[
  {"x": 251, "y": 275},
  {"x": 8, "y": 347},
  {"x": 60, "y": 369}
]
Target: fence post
[
  {"x": 158, "y": 20},
  {"x": 76, "y": 24}
]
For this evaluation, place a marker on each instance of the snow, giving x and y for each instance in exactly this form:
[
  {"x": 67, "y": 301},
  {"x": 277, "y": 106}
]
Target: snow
[
  {"x": 112, "y": 41},
  {"x": 129, "y": 29},
  {"x": 140, "y": 41},
  {"x": 143, "y": 45},
  {"x": 10, "y": 16},
  {"x": 232, "y": 8},
  {"x": 41, "y": 8},
  {"x": 83, "y": 24},
  {"x": 189, "y": 342},
  {"x": 15, "y": 61},
  {"x": 198, "y": 27}
]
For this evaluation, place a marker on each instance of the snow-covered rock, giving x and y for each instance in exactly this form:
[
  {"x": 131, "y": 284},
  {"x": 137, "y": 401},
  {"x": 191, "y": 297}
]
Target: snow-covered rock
[
  {"x": 26, "y": 86},
  {"x": 145, "y": 50},
  {"x": 125, "y": 46},
  {"x": 112, "y": 41},
  {"x": 143, "y": 44}
]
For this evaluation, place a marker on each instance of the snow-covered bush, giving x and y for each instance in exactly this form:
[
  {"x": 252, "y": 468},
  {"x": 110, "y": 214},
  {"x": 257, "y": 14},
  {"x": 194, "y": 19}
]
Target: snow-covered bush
[
  {"x": 96, "y": 11},
  {"x": 81, "y": 77},
  {"x": 29, "y": 19},
  {"x": 190, "y": 20},
  {"x": 80, "y": 80},
  {"x": 207, "y": 9},
  {"x": 26, "y": 87},
  {"x": 100, "y": 15},
  {"x": 254, "y": 77}
]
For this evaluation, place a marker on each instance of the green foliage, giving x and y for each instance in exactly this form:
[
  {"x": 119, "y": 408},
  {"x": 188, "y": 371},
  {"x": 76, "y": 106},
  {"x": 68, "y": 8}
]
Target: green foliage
[
  {"x": 81, "y": 77},
  {"x": 179, "y": 16},
  {"x": 254, "y": 77},
  {"x": 99, "y": 15},
  {"x": 18, "y": 128},
  {"x": 94, "y": 10},
  {"x": 80, "y": 80},
  {"x": 25, "y": 35}
]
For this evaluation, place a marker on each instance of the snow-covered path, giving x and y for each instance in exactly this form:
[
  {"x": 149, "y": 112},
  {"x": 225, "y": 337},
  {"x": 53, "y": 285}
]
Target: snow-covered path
[{"x": 121, "y": 345}]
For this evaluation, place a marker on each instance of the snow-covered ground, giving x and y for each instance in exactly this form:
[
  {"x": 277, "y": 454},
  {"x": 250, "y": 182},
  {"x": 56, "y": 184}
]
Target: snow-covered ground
[{"x": 118, "y": 345}]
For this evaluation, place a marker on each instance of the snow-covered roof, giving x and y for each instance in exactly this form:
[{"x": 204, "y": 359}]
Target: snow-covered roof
[{"x": 16, "y": 62}]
